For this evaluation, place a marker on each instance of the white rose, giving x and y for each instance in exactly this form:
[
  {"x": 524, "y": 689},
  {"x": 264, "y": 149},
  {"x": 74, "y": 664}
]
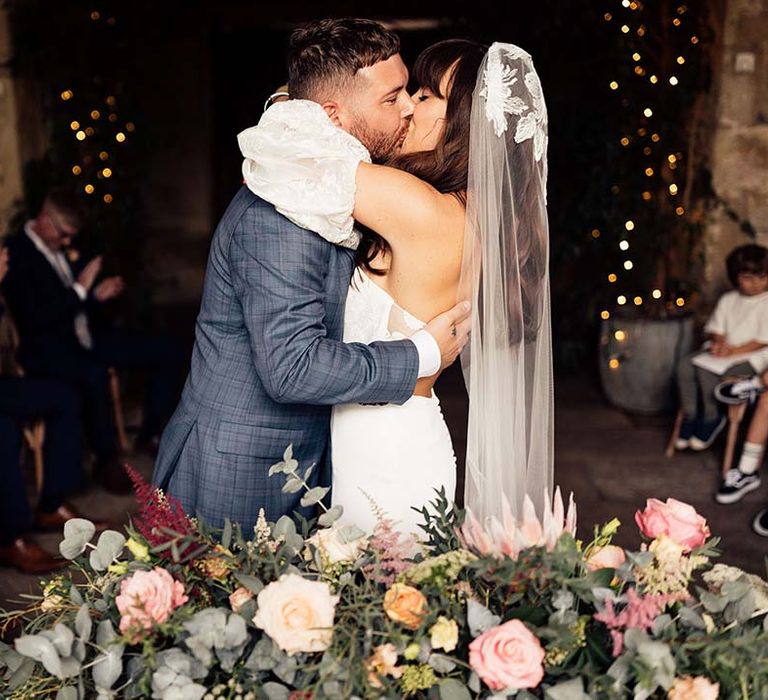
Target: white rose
[
  {"x": 333, "y": 546},
  {"x": 297, "y": 613}
]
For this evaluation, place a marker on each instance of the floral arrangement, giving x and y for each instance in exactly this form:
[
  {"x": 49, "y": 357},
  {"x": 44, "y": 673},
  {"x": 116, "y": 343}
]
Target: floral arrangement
[{"x": 310, "y": 609}]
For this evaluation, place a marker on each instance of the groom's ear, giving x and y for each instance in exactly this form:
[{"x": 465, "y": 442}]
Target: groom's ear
[{"x": 333, "y": 111}]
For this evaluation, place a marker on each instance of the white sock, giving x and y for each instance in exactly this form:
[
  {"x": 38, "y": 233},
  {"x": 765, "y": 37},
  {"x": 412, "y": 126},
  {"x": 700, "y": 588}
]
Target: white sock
[{"x": 751, "y": 456}]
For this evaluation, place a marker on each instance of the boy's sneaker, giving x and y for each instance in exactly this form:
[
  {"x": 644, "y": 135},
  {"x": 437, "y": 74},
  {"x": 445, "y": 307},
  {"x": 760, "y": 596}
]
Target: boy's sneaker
[
  {"x": 687, "y": 427},
  {"x": 736, "y": 485},
  {"x": 760, "y": 523},
  {"x": 738, "y": 391},
  {"x": 705, "y": 433}
]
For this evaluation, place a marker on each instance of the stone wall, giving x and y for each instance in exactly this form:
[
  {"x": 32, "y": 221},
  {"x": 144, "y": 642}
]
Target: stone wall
[{"x": 740, "y": 146}]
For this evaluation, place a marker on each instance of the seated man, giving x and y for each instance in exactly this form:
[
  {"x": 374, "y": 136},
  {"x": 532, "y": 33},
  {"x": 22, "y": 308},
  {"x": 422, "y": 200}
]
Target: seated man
[
  {"x": 52, "y": 306},
  {"x": 745, "y": 477}
]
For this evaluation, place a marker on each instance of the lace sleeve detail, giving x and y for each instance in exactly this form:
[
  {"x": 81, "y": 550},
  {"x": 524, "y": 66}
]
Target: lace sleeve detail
[{"x": 297, "y": 160}]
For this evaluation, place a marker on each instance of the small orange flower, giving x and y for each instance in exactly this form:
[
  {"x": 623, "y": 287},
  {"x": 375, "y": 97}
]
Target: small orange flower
[
  {"x": 405, "y": 604},
  {"x": 214, "y": 567}
]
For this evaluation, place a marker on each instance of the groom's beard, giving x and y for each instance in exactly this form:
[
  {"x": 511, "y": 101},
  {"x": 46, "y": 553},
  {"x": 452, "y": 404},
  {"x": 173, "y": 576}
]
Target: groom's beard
[{"x": 380, "y": 145}]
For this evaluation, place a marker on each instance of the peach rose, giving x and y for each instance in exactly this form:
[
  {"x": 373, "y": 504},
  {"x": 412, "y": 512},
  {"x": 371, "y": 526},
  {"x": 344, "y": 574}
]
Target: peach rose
[
  {"x": 405, "y": 604},
  {"x": 508, "y": 657},
  {"x": 693, "y": 688},
  {"x": 146, "y": 598},
  {"x": 239, "y": 597},
  {"x": 608, "y": 557},
  {"x": 297, "y": 613},
  {"x": 675, "y": 519},
  {"x": 383, "y": 663}
]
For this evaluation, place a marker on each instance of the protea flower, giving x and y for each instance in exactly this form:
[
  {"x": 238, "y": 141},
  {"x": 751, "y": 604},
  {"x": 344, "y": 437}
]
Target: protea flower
[{"x": 510, "y": 536}]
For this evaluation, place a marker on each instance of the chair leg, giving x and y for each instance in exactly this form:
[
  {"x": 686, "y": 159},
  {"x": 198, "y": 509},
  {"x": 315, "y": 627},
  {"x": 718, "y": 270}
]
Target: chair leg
[
  {"x": 735, "y": 416},
  {"x": 35, "y": 437},
  {"x": 675, "y": 434},
  {"x": 117, "y": 408}
]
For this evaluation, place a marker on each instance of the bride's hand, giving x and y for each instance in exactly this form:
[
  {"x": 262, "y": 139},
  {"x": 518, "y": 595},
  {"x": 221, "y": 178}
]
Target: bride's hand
[{"x": 451, "y": 331}]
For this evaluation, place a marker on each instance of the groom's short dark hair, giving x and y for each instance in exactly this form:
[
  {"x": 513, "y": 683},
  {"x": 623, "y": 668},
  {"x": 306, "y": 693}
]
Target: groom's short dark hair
[{"x": 324, "y": 57}]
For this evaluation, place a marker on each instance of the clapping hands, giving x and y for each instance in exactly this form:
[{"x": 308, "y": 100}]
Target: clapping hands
[{"x": 108, "y": 288}]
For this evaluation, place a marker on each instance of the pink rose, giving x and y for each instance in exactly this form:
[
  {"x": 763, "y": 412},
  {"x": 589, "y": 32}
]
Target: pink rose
[
  {"x": 239, "y": 598},
  {"x": 508, "y": 657},
  {"x": 146, "y": 598},
  {"x": 608, "y": 557},
  {"x": 675, "y": 519}
]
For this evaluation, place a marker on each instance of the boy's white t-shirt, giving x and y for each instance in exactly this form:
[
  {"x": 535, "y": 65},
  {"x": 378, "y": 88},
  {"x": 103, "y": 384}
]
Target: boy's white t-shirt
[{"x": 741, "y": 319}]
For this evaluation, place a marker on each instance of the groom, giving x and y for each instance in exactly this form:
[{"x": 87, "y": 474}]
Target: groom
[{"x": 269, "y": 361}]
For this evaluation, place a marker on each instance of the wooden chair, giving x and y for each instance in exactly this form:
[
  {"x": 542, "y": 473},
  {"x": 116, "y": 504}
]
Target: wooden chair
[{"x": 735, "y": 415}]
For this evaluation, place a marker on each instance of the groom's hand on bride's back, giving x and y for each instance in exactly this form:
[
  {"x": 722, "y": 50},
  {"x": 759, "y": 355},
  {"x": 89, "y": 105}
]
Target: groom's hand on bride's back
[{"x": 451, "y": 331}]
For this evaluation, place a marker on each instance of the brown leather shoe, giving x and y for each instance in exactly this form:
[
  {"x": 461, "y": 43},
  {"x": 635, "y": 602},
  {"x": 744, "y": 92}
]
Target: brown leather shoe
[
  {"x": 29, "y": 557},
  {"x": 54, "y": 522}
]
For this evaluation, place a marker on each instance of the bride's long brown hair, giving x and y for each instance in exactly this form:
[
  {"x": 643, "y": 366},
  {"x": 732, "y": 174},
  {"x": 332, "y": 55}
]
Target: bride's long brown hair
[{"x": 445, "y": 167}]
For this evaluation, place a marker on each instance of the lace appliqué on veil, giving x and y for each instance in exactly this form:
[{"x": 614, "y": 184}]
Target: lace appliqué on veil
[{"x": 500, "y": 82}]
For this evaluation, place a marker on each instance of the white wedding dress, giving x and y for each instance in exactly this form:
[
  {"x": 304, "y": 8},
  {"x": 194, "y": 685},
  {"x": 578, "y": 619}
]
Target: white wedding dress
[{"x": 388, "y": 458}]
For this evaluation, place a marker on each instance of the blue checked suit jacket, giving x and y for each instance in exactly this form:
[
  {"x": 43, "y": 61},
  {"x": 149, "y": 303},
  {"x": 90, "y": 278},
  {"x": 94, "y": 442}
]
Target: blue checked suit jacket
[{"x": 267, "y": 365}]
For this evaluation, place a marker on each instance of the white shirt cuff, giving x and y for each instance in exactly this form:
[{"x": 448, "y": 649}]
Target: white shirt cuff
[
  {"x": 429, "y": 353},
  {"x": 80, "y": 291}
]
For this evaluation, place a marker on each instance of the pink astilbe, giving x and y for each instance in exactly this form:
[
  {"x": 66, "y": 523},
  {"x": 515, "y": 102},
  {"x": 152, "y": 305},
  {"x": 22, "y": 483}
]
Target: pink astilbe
[
  {"x": 158, "y": 513},
  {"x": 510, "y": 536},
  {"x": 394, "y": 551},
  {"x": 640, "y": 612}
]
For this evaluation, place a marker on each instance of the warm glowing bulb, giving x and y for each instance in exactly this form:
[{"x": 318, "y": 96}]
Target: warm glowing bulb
[
  {"x": 625, "y": 3},
  {"x": 625, "y": 141},
  {"x": 607, "y": 16},
  {"x": 613, "y": 85},
  {"x": 680, "y": 211},
  {"x": 612, "y": 277},
  {"x": 95, "y": 114},
  {"x": 613, "y": 363},
  {"x": 74, "y": 126},
  {"x": 130, "y": 126},
  {"x": 656, "y": 294},
  {"x": 654, "y": 79},
  {"x": 641, "y": 31},
  {"x": 624, "y": 245},
  {"x": 629, "y": 225},
  {"x": 595, "y": 233},
  {"x": 80, "y": 135},
  {"x": 625, "y": 29},
  {"x": 106, "y": 172},
  {"x": 649, "y": 172},
  {"x": 647, "y": 150},
  {"x": 628, "y": 265},
  {"x": 673, "y": 188},
  {"x": 120, "y": 137},
  {"x": 103, "y": 155},
  {"x": 605, "y": 315},
  {"x": 672, "y": 158},
  {"x": 676, "y": 22},
  {"x": 95, "y": 16},
  {"x": 108, "y": 198},
  {"x": 646, "y": 196},
  {"x": 694, "y": 40},
  {"x": 89, "y": 131},
  {"x": 680, "y": 60},
  {"x": 620, "y": 335},
  {"x": 111, "y": 100},
  {"x": 680, "y": 301},
  {"x": 67, "y": 95},
  {"x": 648, "y": 112},
  {"x": 655, "y": 138},
  {"x": 89, "y": 189},
  {"x": 621, "y": 300},
  {"x": 673, "y": 80},
  {"x": 635, "y": 56},
  {"x": 638, "y": 301},
  {"x": 112, "y": 117},
  {"x": 76, "y": 170}
]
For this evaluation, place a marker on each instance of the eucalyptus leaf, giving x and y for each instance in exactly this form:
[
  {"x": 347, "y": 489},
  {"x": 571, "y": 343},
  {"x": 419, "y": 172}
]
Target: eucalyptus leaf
[
  {"x": 292, "y": 485},
  {"x": 68, "y": 692},
  {"x": 441, "y": 663},
  {"x": 276, "y": 691},
  {"x": 226, "y": 535},
  {"x": 308, "y": 472},
  {"x": 276, "y": 468},
  {"x": 253, "y": 584},
  {"x": 107, "y": 667},
  {"x": 83, "y": 624},
  {"x": 61, "y": 637},
  {"x": 479, "y": 618},
  {"x": 21, "y": 674},
  {"x": 567, "y": 690},
  {"x": 288, "y": 454},
  {"x": 691, "y": 618},
  {"x": 108, "y": 547},
  {"x": 284, "y": 528},
  {"x": 75, "y": 596},
  {"x": 40, "y": 649},
  {"x": 330, "y": 516},
  {"x": 350, "y": 533},
  {"x": 314, "y": 496},
  {"x": 451, "y": 689},
  {"x": 78, "y": 532}
]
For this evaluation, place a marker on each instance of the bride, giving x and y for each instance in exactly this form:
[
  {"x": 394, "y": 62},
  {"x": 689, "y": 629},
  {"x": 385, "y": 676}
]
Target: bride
[{"x": 459, "y": 213}]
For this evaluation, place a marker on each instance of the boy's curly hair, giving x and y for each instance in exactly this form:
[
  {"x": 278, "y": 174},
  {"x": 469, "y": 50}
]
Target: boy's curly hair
[{"x": 746, "y": 258}]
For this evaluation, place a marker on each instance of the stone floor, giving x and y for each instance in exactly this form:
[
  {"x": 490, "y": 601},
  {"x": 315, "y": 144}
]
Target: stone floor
[{"x": 610, "y": 461}]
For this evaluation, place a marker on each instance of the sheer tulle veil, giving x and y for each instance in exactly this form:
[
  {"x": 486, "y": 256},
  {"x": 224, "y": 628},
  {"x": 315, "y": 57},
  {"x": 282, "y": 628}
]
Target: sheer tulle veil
[{"x": 508, "y": 362}]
